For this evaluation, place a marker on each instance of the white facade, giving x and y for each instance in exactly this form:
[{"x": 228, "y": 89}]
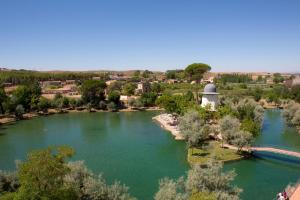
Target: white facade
[{"x": 210, "y": 99}]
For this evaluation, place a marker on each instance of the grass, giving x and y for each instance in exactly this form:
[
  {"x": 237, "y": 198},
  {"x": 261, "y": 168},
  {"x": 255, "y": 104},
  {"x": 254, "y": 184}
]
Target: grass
[
  {"x": 200, "y": 156},
  {"x": 203, "y": 196}
]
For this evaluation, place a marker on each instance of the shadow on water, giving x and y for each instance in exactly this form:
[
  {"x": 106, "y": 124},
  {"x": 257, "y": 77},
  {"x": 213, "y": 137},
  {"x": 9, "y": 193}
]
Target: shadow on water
[{"x": 277, "y": 157}]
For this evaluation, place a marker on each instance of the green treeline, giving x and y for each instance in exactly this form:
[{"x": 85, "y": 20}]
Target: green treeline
[
  {"x": 235, "y": 78},
  {"x": 17, "y": 77}
]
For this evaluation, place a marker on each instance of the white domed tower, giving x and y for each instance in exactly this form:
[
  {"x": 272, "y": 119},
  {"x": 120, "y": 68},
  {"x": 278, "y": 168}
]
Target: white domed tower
[{"x": 210, "y": 96}]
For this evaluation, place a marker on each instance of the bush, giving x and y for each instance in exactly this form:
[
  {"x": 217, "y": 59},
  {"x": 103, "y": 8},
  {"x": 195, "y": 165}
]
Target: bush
[
  {"x": 19, "y": 111},
  {"x": 102, "y": 105},
  {"x": 114, "y": 97},
  {"x": 44, "y": 104},
  {"x": 112, "y": 106}
]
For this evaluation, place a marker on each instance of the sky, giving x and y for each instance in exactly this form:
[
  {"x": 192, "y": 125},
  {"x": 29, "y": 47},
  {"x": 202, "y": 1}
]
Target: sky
[{"x": 229, "y": 35}]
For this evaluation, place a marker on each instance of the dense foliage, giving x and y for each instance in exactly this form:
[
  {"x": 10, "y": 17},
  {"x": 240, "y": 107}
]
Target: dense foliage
[
  {"x": 195, "y": 71},
  {"x": 45, "y": 175},
  {"x": 25, "y": 76},
  {"x": 234, "y": 78},
  {"x": 232, "y": 134},
  {"x": 93, "y": 91},
  {"x": 194, "y": 129},
  {"x": 208, "y": 180},
  {"x": 292, "y": 113}
]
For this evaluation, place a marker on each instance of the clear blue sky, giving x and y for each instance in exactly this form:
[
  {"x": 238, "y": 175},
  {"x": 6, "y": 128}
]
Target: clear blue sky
[{"x": 230, "y": 35}]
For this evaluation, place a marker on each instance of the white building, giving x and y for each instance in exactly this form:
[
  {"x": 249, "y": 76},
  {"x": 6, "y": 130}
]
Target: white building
[{"x": 210, "y": 96}]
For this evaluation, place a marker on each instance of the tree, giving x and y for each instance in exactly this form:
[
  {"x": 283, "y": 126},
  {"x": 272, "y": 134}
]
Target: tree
[
  {"x": 194, "y": 129},
  {"x": 210, "y": 178},
  {"x": 205, "y": 182},
  {"x": 296, "y": 118},
  {"x": 36, "y": 92},
  {"x": 3, "y": 98},
  {"x": 290, "y": 110},
  {"x": 171, "y": 190},
  {"x": 231, "y": 133},
  {"x": 22, "y": 96},
  {"x": 93, "y": 91},
  {"x": 137, "y": 73},
  {"x": 171, "y": 74},
  {"x": 167, "y": 102},
  {"x": 115, "y": 86},
  {"x": 250, "y": 126},
  {"x": 195, "y": 71},
  {"x": 295, "y": 93},
  {"x": 42, "y": 174},
  {"x": 8, "y": 182},
  {"x": 148, "y": 98},
  {"x": 242, "y": 139},
  {"x": 114, "y": 97},
  {"x": 44, "y": 104},
  {"x": 112, "y": 106},
  {"x": 129, "y": 89},
  {"x": 248, "y": 109},
  {"x": 102, "y": 105},
  {"x": 146, "y": 73},
  {"x": 92, "y": 187},
  {"x": 277, "y": 78},
  {"x": 189, "y": 95},
  {"x": 175, "y": 103},
  {"x": 19, "y": 111},
  {"x": 229, "y": 126},
  {"x": 257, "y": 93},
  {"x": 45, "y": 175},
  {"x": 156, "y": 88}
]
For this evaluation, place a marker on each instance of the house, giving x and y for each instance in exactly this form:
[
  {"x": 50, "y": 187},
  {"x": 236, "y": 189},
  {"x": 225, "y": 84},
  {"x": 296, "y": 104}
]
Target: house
[
  {"x": 68, "y": 82},
  {"x": 292, "y": 82},
  {"x": 110, "y": 82},
  {"x": 125, "y": 99},
  {"x": 143, "y": 87},
  {"x": 208, "y": 80},
  {"x": 172, "y": 81},
  {"x": 51, "y": 83}
]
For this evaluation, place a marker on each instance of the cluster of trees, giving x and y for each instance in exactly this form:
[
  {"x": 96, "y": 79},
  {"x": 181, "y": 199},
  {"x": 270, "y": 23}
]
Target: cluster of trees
[
  {"x": 203, "y": 182},
  {"x": 277, "y": 78},
  {"x": 23, "y": 99},
  {"x": 194, "y": 129},
  {"x": 176, "y": 103},
  {"x": 292, "y": 113},
  {"x": 247, "y": 111},
  {"x": 195, "y": 125},
  {"x": 230, "y": 128},
  {"x": 175, "y": 74},
  {"x": 47, "y": 175},
  {"x": 276, "y": 93},
  {"x": 17, "y": 77},
  {"x": 193, "y": 72},
  {"x": 234, "y": 78}
]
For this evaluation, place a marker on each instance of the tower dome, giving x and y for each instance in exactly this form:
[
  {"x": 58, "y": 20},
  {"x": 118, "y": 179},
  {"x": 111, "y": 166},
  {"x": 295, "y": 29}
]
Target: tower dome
[
  {"x": 210, "y": 97},
  {"x": 210, "y": 89}
]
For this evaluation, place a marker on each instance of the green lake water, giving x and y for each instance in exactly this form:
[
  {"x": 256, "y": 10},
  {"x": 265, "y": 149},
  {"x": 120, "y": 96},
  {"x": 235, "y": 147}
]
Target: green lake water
[{"x": 131, "y": 148}]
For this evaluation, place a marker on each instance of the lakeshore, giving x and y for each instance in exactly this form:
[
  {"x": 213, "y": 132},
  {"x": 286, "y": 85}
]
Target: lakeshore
[
  {"x": 7, "y": 119},
  {"x": 168, "y": 123}
]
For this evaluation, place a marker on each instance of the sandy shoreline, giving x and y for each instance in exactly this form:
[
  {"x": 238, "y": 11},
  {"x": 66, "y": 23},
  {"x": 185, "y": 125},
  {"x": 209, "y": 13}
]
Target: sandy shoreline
[{"x": 165, "y": 121}]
